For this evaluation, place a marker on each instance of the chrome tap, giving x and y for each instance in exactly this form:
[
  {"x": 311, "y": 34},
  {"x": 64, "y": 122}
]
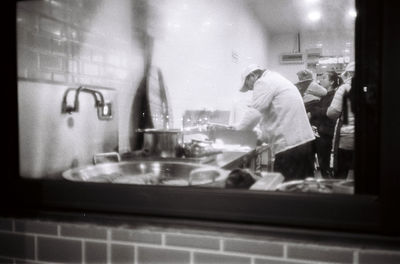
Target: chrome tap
[{"x": 104, "y": 109}]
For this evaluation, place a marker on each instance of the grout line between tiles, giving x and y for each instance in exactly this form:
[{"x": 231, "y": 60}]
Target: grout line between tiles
[
  {"x": 163, "y": 238},
  {"x": 191, "y": 257},
  {"x": 135, "y": 257},
  {"x": 108, "y": 246},
  {"x": 35, "y": 245},
  {"x": 356, "y": 257},
  {"x": 285, "y": 251},
  {"x": 83, "y": 246}
]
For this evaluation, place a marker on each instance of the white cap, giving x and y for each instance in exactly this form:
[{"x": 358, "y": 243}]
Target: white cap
[
  {"x": 350, "y": 67},
  {"x": 246, "y": 71}
]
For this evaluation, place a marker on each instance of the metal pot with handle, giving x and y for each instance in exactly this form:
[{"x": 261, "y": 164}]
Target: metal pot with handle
[{"x": 164, "y": 143}]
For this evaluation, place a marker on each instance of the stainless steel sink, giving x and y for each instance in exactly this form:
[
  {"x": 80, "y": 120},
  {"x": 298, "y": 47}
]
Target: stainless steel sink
[{"x": 150, "y": 173}]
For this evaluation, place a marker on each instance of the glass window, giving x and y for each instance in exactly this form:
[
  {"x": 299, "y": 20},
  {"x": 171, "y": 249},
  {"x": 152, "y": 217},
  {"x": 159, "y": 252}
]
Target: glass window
[{"x": 148, "y": 92}]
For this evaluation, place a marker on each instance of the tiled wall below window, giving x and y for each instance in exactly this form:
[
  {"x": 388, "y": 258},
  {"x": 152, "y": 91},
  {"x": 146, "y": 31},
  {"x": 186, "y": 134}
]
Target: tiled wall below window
[{"x": 34, "y": 241}]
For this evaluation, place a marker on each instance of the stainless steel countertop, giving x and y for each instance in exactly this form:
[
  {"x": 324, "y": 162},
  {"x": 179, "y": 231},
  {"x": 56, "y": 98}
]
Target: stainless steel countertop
[
  {"x": 224, "y": 160},
  {"x": 227, "y": 160}
]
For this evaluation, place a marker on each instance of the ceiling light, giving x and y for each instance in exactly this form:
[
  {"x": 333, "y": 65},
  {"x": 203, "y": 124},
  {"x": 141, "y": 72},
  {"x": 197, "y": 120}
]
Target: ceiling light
[
  {"x": 314, "y": 16},
  {"x": 55, "y": 3},
  {"x": 352, "y": 13}
]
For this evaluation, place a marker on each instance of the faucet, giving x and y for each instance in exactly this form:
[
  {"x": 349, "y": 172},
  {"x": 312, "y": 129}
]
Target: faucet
[{"x": 104, "y": 109}]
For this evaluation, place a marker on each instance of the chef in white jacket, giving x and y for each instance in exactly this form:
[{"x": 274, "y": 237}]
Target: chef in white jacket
[{"x": 282, "y": 119}]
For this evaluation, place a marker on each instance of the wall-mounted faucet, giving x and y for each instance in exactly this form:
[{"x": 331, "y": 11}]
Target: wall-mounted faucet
[{"x": 104, "y": 109}]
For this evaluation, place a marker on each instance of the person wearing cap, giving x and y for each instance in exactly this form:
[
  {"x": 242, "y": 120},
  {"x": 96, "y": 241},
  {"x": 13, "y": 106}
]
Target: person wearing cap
[
  {"x": 282, "y": 120},
  {"x": 331, "y": 81},
  {"x": 311, "y": 91},
  {"x": 344, "y": 133}
]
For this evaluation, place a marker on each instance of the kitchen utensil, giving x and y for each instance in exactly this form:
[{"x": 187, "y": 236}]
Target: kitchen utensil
[{"x": 163, "y": 143}]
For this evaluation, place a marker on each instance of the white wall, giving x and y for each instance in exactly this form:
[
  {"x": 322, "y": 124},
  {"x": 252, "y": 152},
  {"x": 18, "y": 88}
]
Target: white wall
[
  {"x": 65, "y": 44},
  {"x": 195, "y": 44}
]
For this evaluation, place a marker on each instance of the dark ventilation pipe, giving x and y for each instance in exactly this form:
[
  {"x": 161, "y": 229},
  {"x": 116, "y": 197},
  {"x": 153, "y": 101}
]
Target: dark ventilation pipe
[{"x": 298, "y": 42}]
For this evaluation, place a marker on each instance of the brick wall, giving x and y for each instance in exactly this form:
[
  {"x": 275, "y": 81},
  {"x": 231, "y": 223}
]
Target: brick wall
[{"x": 34, "y": 241}]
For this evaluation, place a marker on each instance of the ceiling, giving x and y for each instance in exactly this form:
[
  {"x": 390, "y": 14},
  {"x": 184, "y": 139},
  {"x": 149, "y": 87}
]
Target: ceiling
[{"x": 290, "y": 16}]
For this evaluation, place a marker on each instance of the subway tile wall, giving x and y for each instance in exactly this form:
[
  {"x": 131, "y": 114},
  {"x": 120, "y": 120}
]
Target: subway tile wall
[
  {"x": 63, "y": 44},
  {"x": 69, "y": 42},
  {"x": 35, "y": 241}
]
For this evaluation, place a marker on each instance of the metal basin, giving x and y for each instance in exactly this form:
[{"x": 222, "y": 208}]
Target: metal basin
[{"x": 150, "y": 173}]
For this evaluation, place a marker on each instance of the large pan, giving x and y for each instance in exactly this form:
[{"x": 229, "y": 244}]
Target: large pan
[{"x": 150, "y": 173}]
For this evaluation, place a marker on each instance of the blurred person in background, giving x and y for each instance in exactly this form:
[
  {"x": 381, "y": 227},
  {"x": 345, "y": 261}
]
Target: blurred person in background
[
  {"x": 311, "y": 93},
  {"x": 325, "y": 125},
  {"x": 282, "y": 119},
  {"x": 340, "y": 109},
  {"x": 309, "y": 89}
]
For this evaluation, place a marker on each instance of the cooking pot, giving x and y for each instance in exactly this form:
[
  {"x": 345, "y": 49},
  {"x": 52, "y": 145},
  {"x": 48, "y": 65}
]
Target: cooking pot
[{"x": 164, "y": 143}]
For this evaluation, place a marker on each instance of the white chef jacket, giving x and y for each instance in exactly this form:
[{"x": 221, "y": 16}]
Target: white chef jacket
[{"x": 284, "y": 123}]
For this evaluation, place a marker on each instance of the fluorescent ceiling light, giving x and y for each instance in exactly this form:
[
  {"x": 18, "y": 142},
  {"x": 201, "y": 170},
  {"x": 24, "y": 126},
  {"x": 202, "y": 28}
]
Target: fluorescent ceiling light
[
  {"x": 352, "y": 13},
  {"x": 314, "y": 16}
]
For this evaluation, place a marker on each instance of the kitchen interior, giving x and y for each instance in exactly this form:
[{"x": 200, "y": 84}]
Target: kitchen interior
[
  {"x": 113, "y": 86},
  {"x": 151, "y": 87}
]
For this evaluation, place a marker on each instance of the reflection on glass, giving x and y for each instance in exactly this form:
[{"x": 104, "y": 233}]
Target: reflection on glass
[{"x": 179, "y": 65}]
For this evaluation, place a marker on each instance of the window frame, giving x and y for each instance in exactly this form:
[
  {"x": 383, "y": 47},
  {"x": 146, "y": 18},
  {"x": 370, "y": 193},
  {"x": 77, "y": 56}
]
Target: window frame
[{"x": 372, "y": 209}]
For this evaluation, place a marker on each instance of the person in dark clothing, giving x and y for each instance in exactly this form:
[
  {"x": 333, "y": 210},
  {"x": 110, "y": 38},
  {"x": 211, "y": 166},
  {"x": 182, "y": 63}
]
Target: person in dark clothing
[
  {"x": 309, "y": 89},
  {"x": 325, "y": 126},
  {"x": 344, "y": 134}
]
